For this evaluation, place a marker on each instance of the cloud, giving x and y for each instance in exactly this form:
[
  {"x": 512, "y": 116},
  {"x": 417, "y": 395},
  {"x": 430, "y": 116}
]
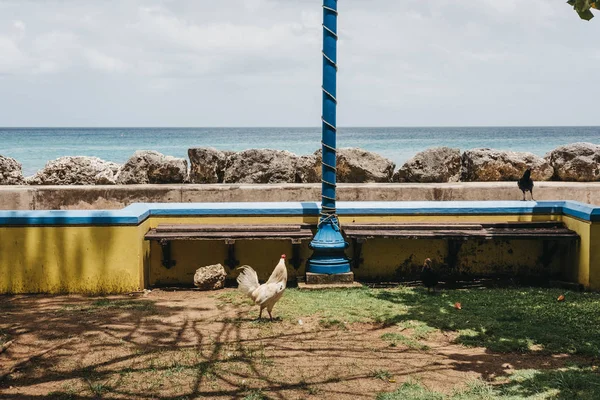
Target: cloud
[
  {"x": 258, "y": 62},
  {"x": 11, "y": 57},
  {"x": 100, "y": 61},
  {"x": 19, "y": 26}
]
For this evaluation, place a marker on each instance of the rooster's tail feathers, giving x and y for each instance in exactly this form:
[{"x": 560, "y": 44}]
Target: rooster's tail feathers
[{"x": 247, "y": 280}]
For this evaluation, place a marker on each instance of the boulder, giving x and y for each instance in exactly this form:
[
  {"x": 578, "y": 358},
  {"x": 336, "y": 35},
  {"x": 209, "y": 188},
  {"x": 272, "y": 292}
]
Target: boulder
[
  {"x": 576, "y": 162},
  {"x": 147, "y": 166},
  {"x": 485, "y": 165},
  {"x": 440, "y": 164},
  {"x": 211, "y": 277},
  {"x": 261, "y": 166},
  {"x": 77, "y": 170},
  {"x": 10, "y": 171},
  {"x": 356, "y": 165},
  {"x": 207, "y": 165},
  {"x": 308, "y": 169}
]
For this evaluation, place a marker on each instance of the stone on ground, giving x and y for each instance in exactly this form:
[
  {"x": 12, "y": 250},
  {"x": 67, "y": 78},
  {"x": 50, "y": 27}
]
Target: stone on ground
[{"x": 211, "y": 277}]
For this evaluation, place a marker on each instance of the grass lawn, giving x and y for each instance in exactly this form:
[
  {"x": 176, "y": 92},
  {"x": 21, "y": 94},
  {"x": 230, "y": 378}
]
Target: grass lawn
[
  {"x": 401, "y": 343},
  {"x": 501, "y": 320}
]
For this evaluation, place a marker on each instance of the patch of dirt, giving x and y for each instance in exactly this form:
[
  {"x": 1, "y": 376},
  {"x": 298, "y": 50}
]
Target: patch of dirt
[{"x": 189, "y": 344}]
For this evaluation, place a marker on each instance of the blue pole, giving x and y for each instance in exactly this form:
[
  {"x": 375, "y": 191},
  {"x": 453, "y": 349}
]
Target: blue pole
[{"x": 328, "y": 244}]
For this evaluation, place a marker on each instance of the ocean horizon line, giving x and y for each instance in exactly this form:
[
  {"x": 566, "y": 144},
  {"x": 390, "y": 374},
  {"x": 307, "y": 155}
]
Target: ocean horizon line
[{"x": 301, "y": 127}]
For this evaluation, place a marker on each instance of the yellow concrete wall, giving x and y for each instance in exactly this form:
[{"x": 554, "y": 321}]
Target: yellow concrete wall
[
  {"x": 580, "y": 270},
  {"x": 594, "y": 259},
  {"x": 70, "y": 259},
  {"x": 116, "y": 259}
]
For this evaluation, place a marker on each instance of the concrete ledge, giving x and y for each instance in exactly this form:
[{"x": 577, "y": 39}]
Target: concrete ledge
[
  {"x": 117, "y": 197},
  {"x": 137, "y": 213},
  {"x": 334, "y": 279},
  {"x": 325, "y": 286}
]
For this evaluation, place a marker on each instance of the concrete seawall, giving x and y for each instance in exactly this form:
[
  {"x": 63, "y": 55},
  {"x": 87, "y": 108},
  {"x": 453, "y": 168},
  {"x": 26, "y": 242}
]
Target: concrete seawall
[{"x": 116, "y": 197}]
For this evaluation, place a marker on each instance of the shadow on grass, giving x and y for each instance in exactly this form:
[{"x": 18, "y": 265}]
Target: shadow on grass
[
  {"x": 562, "y": 384},
  {"x": 506, "y": 320}
]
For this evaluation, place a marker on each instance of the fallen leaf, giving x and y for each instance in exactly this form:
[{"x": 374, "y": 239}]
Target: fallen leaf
[
  {"x": 561, "y": 297},
  {"x": 458, "y": 306}
]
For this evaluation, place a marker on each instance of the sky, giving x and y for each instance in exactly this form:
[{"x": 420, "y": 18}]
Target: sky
[{"x": 243, "y": 63}]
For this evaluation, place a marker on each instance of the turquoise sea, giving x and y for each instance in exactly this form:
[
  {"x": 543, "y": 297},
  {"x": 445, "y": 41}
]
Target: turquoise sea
[{"x": 33, "y": 147}]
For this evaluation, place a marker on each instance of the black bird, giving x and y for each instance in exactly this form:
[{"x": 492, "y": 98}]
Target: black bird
[
  {"x": 526, "y": 183},
  {"x": 429, "y": 276}
]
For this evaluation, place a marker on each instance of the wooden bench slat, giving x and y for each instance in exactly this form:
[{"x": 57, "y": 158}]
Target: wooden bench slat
[
  {"x": 153, "y": 235},
  {"x": 414, "y": 234},
  {"x": 505, "y": 230},
  {"x": 525, "y": 224},
  {"x": 405, "y": 227},
  {"x": 228, "y": 228}
]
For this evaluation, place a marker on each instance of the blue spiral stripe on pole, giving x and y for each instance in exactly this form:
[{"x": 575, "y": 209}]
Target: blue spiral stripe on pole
[
  {"x": 328, "y": 244},
  {"x": 328, "y": 142}
]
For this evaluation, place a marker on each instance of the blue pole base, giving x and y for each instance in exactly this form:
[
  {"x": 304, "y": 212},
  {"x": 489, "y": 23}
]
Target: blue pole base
[{"x": 329, "y": 247}]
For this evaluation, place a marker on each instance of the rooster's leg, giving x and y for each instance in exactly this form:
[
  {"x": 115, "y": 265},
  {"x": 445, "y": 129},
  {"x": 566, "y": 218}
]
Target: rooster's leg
[
  {"x": 270, "y": 316},
  {"x": 531, "y": 191},
  {"x": 523, "y": 196},
  {"x": 260, "y": 313}
]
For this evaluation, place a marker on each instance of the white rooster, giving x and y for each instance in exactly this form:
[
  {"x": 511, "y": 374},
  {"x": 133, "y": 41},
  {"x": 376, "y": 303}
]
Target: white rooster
[{"x": 267, "y": 294}]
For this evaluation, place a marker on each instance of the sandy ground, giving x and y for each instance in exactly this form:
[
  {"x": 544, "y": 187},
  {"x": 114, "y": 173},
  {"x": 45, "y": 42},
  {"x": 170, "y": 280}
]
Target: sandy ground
[{"x": 187, "y": 344}]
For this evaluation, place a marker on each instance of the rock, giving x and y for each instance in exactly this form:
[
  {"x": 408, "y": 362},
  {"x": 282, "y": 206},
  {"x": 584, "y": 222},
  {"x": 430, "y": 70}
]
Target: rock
[
  {"x": 486, "y": 165},
  {"x": 356, "y": 165},
  {"x": 211, "y": 277},
  {"x": 207, "y": 165},
  {"x": 261, "y": 166},
  {"x": 308, "y": 169},
  {"x": 78, "y": 170},
  {"x": 10, "y": 171},
  {"x": 576, "y": 162},
  {"x": 440, "y": 164},
  {"x": 147, "y": 166}
]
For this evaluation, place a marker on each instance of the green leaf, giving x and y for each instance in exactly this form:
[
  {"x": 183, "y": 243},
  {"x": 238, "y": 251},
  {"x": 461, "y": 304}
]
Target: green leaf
[
  {"x": 587, "y": 14},
  {"x": 582, "y": 7}
]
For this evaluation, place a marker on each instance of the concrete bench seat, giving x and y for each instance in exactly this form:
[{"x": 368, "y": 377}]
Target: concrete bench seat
[
  {"x": 454, "y": 233},
  {"x": 166, "y": 233}
]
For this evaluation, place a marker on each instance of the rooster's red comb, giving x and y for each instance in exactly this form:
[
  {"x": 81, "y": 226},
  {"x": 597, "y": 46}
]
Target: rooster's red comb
[{"x": 283, "y": 256}]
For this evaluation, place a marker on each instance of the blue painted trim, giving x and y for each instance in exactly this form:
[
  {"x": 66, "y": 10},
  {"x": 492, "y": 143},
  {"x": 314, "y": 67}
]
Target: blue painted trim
[
  {"x": 137, "y": 213},
  {"x": 449, "y": 207},
  {"x": 233, "y": 209},
  {"x": 74, "y": 217}
]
